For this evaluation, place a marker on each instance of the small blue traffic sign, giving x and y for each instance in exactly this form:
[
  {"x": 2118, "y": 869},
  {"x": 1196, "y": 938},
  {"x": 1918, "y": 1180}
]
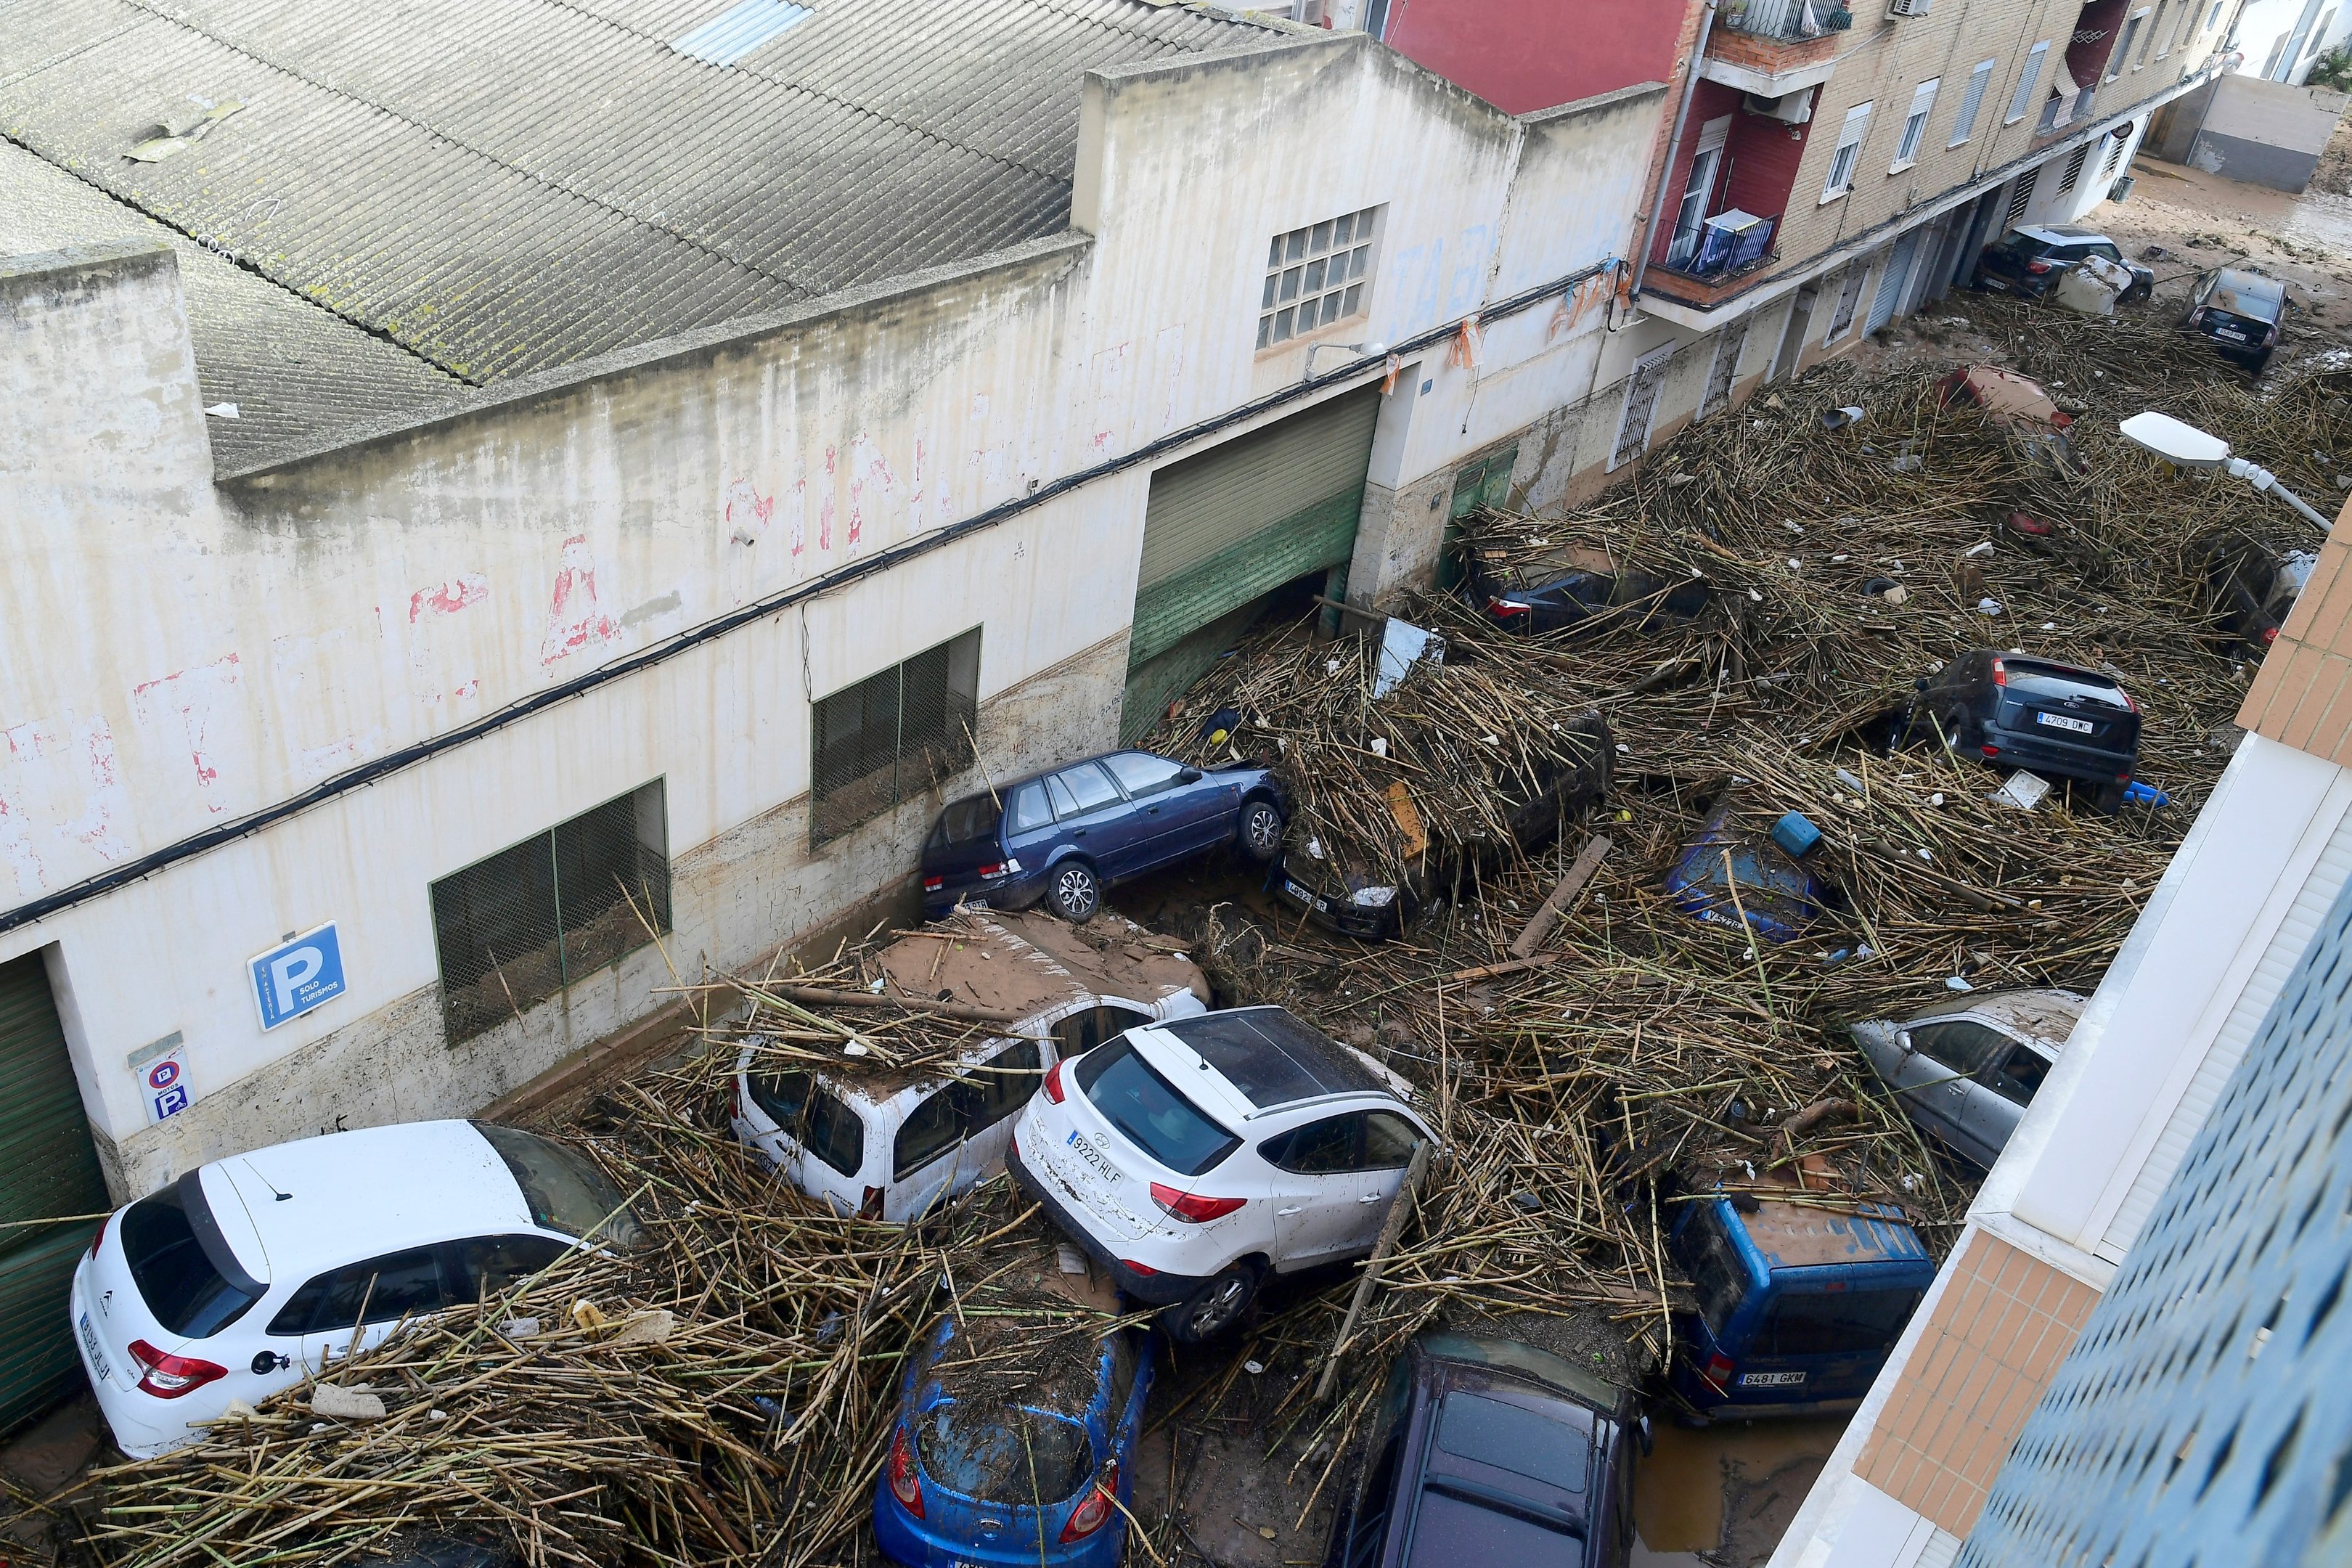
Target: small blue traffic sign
[{"x": 298, "y": 975}]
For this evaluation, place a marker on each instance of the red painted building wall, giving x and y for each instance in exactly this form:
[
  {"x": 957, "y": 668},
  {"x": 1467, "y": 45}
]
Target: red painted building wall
[
  {"x": 1758, "y": 167},
  {"x": 1526, "y": 54}
]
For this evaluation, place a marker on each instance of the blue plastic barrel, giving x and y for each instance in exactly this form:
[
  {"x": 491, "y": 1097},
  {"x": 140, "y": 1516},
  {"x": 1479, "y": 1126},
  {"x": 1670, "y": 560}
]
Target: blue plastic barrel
[{"x": 1796, "y": 833}]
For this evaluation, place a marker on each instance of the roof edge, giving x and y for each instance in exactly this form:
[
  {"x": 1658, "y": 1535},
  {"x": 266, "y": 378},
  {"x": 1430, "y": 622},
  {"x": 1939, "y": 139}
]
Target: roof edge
[
  {"x": 654, "y": 354},
  {"x": 83, "y": 258},
  {"x": 1594, "y": 104}
]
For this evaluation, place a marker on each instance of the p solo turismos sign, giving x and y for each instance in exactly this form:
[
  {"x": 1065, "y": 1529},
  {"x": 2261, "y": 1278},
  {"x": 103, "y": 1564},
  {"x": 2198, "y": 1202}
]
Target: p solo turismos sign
[{"x": 298, "y": 975}]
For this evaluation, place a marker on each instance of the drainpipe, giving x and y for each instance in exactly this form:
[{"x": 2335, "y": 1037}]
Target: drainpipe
[{"x": 1674, "y": 148}]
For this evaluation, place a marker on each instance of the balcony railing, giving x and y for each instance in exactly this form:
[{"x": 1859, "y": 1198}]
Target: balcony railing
[{"x": 1791, "y": 19}]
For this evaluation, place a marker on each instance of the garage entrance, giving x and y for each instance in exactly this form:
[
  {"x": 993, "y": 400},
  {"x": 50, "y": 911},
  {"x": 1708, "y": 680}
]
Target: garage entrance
[
  {"x": 1223, "y": 530},
  {"x": 47, "y": 1166}
]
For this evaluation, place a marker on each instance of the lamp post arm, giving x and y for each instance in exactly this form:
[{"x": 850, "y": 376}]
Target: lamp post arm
[{"x": 2262, "y": 479}]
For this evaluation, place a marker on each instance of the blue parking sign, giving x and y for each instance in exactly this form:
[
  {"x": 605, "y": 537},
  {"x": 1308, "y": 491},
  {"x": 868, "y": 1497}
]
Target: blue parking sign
[{"x": 298, "y": 975}]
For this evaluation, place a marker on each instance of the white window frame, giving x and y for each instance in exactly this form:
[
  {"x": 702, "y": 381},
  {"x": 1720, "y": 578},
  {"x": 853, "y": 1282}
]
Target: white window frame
[
  {"x": 1914, "y": 125},
  {"x": 1972, "y": 97},
  {"x": 2213, "y": 18},
  {"x": 2020, "y": 102},
  {"x": 2119, "y": 62},
  {"x": 1698, "y": 186},
  {"x": 1300, "y": 256},
  {"x": 1846, "y": 158},
  {"x": 2148, "y": 51}
]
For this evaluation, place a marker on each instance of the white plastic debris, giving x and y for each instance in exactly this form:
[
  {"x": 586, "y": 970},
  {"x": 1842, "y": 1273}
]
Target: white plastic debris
[
  {"x": 1982, "y": 547},
  {"x": 854, "y": 1048},
  {"x": 1253, "y": 1367},
  {"x": 1954, "y": 983},
  {"x": 222, "y": 411},
  {"x": 2024, "y": 791},
  {"x": 345, "y": 1403},
  {"x": 1623, "y": 750},
  {"x": 1936, "y": 798},
  {"x": 1792, "y": 525},
  {"x": 1330, "y": 667},
  {"x": 1380, "y": 746},
  {"x": 1987, "y": 607},
  {"x": 436, "y": 1416},
  {"x": 1403, "y": 645},
  {"x": 1795, "y": 564},
  {"x": 520, "y": 1328},
  {"x": 1315, "y": 847},
  {"x": 1924, "y": 855},
  {"x": 875, "y": 984},
  {"x": 1755, "y": 596}
]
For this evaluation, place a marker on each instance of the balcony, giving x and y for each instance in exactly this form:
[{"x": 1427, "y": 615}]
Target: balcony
[{"x": 1773, "y": 47}]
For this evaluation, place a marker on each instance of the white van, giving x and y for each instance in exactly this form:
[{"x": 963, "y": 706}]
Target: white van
[{"x": 888, "y": 1143}]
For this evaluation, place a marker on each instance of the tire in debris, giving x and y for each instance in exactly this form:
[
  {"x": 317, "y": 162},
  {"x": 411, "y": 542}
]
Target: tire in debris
[{"x": 1215, "y": 1307}]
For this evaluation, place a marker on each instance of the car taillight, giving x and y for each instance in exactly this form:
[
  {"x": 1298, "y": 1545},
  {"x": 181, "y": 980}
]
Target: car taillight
[
  {"x": 1191, "y": 1207},
  {"x": 1719, "y": 1369},
  {"x": 1143, "y": 1269},
  {"x": 101, "y": 1236},
  {"x": 1990, "y": 750},
  {"x": 1053, "y": 1090},
  {"x": 170, "y": 1376},
  {"x": 1090, "y": 1515},
  {"x": 2037, "y": 267},
  {"x": 2270, "y": 635},
  {"x": 2270, "y": 336},
  {"x": 905, "y": 1485},
  {"x": 1999, "y": 673},
  {"x": 2196, "y": 317},
  {"x": 990, "y": 873},
  {"x": 933, "y": 884},
  {"x": 1506, "y": 607},
  {"x": 871, "y": 1208}
]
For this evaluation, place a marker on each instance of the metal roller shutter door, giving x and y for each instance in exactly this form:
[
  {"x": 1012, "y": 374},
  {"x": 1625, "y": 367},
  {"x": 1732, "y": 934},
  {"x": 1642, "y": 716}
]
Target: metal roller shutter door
[
  {"x": 47, "y": 1166},
  {"x": 2237, "y": 1032},
  {"x": 1232, "y": 524}
]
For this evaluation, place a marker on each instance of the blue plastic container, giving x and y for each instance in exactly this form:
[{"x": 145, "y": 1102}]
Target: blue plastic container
[
  {"x": 1796, "y": 833},
  {"x": 2136, "y": 793}
]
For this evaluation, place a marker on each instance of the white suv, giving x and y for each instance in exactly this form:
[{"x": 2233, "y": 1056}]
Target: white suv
[{"x": 1192, "y": 1156}]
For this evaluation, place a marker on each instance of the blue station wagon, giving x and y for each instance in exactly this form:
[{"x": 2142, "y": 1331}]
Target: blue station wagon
[
  {"x": 1064, "y": 836},
  {"x": 1798, "y": 1306}
]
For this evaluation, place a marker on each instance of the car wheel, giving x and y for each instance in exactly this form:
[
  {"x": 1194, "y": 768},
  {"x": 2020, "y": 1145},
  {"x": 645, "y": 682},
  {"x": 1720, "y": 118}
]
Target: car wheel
[
  {"x": 1261, "y": 831},
  {"x": 1955, "y": 724},
  {"x": 1073, "y": 891},
  {"x": 1212, "y": 1308},
  {"x": 2109, "y": 798}
]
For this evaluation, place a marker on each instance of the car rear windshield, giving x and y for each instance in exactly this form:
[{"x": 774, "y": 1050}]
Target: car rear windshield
[
  {"x": 1145, "y": 1108},
  {"x": 193, "y": 1289},
  {"x": 1273, "y": 1057},
  {"x": 969, "y": 821},
  {"x": 2025, "y": 248},
  {"x": 2055, "y": 682},
  {"x": 991, "y": 1454},
  {"x": 1451, "y": 1531},
  {"x": 1836, "y": 1323},
  {"x": 566, "y": 1190},
  {"x": 813, "y": 1117}
]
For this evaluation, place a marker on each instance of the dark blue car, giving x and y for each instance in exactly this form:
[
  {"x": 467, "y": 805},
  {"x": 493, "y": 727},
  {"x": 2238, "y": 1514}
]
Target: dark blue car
[
  {"x": 1064, "y": 836},
  {"x": 1798, "y": 1305},
  {"x": 1039, "y": 1474}
]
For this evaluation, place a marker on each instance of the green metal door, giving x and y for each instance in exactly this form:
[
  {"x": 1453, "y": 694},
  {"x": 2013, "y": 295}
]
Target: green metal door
[
  {"x": 47, "y": 1166},
  {"x": 1225, "y": 528}
]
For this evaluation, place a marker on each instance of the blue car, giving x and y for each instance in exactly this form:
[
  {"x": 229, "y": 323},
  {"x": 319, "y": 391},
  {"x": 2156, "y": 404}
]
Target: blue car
[
  {"x": 1778, "y": 896},
  {"x": 1015, "y": 1466},
  {"x": 1798, "y": 1306},
  {"x": 1062, "y": 837}
]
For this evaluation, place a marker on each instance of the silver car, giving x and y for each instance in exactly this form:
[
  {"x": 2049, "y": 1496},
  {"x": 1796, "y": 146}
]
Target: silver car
[{"x": 1967, "y": 1074}]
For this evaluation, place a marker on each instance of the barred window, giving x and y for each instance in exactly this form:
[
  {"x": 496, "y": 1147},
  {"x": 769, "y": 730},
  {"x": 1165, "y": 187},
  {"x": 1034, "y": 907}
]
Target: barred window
[
  {"x": 514, "y": 929},
  {"x": 894, "y": 736},
  {"x": 1316, "y": 276}
]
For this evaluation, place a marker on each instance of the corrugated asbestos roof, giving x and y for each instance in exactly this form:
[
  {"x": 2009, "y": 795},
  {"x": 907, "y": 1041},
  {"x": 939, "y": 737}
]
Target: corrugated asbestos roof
[
  {"x": 503, "y": 186},
  {"x": 296, "y": 372}
]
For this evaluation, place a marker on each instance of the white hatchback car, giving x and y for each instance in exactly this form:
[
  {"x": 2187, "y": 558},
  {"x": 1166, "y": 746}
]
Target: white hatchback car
[
  {"x": 887, "y": 1143},
  {"x": 1192, "y": 1156},
  {"x": 249, "y": 1274}
]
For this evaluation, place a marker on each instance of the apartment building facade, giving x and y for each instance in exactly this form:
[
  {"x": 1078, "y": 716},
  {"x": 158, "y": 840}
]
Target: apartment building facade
[
  {"x": 1831, "y": 170},
  {"x": 2114, "y": 1153}
]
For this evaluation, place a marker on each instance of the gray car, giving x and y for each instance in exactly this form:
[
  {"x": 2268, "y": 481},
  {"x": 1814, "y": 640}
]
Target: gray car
[{"x": 1966, "y": 1073}]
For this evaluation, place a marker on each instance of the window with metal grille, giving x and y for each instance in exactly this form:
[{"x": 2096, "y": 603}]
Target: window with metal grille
[
  {"x": 514, "y": 929},
  {"x": 2074, "y": 168},
  {"x": 2116, "y": 143},
  {"x": 1316, "y": 276},
  {"x": 894, "y": 736},
  {"x": 2023, "y": 196}
]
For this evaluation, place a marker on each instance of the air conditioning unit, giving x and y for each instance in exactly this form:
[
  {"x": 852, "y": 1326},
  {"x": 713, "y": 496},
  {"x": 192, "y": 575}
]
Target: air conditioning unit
[
  {"x": 1907, "y": 7},
  {"x": 1789, "y": 108}
]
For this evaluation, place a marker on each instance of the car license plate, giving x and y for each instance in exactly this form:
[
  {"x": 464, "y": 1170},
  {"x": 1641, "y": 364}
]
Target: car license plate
[
  {"x": 1322, "y": 906},
  {"x": 2226, "y": 332},
  {"x": 96, "y": 1356},
  {"x": 975, "y": 903},
  {"x": 1094, "y": 1158},
  {"x": 2060, "y": 722},
  {"x": 1770, "y": 1379}
]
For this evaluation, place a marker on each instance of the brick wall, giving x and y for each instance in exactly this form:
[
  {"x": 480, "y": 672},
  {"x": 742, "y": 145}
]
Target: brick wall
[
  {"x": 2301, "y": 696},
  {"x": 1997, "y": 1333}
]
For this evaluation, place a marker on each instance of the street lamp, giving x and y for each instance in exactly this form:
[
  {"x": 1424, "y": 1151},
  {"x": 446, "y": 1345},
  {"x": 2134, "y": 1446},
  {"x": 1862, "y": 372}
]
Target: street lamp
[
  {"x": 2186, "y": 447},
  {"x": 1368, "y": 350}
]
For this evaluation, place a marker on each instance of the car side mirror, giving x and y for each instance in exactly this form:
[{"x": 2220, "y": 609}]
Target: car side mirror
[
  {"x": 1189, "y": 776},
  {"x": 1641, "y": 1434},
  {"x": 1903, "y": 1038}
]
